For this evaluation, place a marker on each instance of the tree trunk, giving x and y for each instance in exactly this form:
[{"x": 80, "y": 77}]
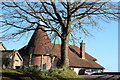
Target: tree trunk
[
  {"x": 30, "y": 59},
  {"x": 64, "y": 52}
]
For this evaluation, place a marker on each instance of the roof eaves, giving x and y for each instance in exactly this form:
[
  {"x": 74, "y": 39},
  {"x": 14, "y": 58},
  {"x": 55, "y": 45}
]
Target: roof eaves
[{"x": 86, "y": 67}]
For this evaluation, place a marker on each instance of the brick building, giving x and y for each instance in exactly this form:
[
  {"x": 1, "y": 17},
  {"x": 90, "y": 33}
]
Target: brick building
[{"x": 40, "y": 51}]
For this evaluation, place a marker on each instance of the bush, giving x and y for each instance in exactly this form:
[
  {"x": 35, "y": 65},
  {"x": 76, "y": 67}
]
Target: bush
[
  {"x": 52, "y": 74},
  {"x": 56, "y": 70},
  {"x": 65, "y": 68}
]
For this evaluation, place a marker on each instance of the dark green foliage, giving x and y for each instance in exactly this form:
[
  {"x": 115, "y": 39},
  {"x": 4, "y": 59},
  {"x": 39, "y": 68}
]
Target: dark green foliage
[
  {"x": 65, "y": 68},
  {"x": 33, "y": 74},
  {"x": 6, "y": 62},
  {"x": 31, "y": 68}
]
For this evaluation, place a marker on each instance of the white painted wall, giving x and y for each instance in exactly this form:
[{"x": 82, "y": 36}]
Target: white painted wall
[
  {"x": 17, "y": 61},
  {"x": 76, "y": 70}
]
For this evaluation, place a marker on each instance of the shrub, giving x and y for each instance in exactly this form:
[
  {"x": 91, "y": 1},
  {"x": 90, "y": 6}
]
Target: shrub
[
  {"x": 52, "y": 74},
  {"x": 65, "y": 68}
]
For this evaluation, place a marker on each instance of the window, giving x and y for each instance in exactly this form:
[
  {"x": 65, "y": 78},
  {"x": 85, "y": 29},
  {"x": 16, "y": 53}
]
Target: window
[
  {"x": 32, "y": 49},
  {"x": 44, "y": 66},
  {"x": 17, "y": 60},
  {"x": 47, "y": 50}
]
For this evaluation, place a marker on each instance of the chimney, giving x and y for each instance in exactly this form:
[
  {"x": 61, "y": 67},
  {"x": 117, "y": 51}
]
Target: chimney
[{"x": 82, "y": 50}]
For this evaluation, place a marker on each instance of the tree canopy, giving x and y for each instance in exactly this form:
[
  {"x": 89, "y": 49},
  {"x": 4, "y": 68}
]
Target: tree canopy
[
  {"x": 56, "y": 14},
  {"x": 61, "y": 19}
]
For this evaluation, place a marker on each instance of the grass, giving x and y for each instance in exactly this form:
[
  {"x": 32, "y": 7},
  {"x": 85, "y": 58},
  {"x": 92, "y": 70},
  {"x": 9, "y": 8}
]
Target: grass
[
  {"x": 8, "y": 74},
  {"x": 54, "y": 74},
  {"x": 22, "y": 78}
]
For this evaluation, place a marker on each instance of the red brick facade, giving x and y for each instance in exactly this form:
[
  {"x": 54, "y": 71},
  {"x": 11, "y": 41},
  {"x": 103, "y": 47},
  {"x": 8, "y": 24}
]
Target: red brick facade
[{"x": 37, "y": 47}]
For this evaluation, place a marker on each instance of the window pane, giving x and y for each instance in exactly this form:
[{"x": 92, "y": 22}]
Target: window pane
[
  {"x": 47, "y": 50},
  {"x": 44, "y": 66},
  {"x": 32, "y": 49}
]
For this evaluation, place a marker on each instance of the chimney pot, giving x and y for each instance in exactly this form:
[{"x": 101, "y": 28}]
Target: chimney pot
[{"x": 82, "y": 49}]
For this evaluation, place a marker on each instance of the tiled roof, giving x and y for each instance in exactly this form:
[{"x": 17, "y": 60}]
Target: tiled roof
[
  {"x": 40, "y": 40},
  {"x": 6, "y": 54},
  {"x": 77, "y": 51},
  {"x": 75, "y": 60}
]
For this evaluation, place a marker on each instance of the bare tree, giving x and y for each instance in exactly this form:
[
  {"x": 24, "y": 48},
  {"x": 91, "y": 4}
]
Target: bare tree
[{"x": 62, "y": 19}]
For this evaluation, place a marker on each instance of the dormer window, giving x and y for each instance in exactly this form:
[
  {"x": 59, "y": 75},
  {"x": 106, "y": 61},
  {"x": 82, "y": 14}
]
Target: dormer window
[
  {"x": 32, "y": 49},
  {"x": 47, "y": 50}
]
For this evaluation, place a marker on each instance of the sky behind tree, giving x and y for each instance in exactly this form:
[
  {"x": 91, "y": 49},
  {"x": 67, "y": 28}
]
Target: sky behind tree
[{"x": 103, "y": 46}]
